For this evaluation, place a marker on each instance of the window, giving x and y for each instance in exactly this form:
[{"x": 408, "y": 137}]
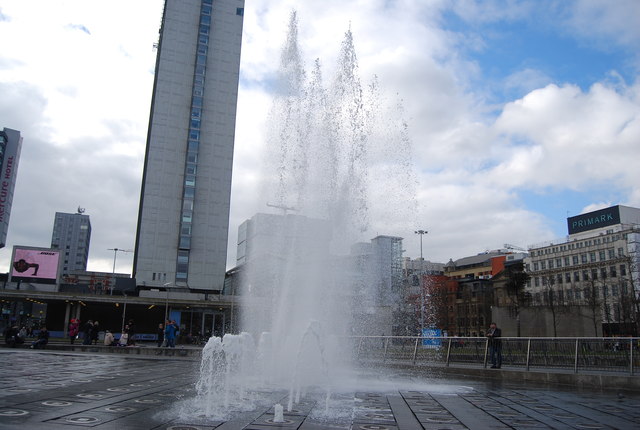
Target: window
[
  {"x": 550, "y": 264},
  {"x": 575, "y": 259},
  {"x": 612, "y": 271},
  {"x": 603, "y": 272},
  {"x": 592, "y": 257},
  {"x": 240, "y": 11},
  {"x": 576, "y": 276},
  {"x": 623, "y": 270},
  {"x": 602, "y": 256},
  {"x": 614, "y": 290},
  {"x": 558, "y": 262},
  {"x": 535, "y": 265},
  {"x": 620, "y": 252},
  {"x": 566, "y": 261},
  {"x": 612, "y": 254},
  {"x": 594, "y": 274},
  {"x": 536, "y": 281},
  {"x": 585, "y": 275},
  {"x": 583, "y": 257},
  {"x": 605, "y": 291},
  {"x": 185, "y": 242},
  {"x": 567, "y": 277},
  {"x": 559, "y": 278},
  {"x": 543, "y": 265}
]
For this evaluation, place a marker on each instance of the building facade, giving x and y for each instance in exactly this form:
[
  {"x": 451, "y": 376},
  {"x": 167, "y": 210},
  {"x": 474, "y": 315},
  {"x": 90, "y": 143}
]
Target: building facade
[
  {"x": 10, "y": 146},
  {"x": 72, "y": 236},
  {"x": 596, "y": 266},
  {"x": 184, "y": 205}
]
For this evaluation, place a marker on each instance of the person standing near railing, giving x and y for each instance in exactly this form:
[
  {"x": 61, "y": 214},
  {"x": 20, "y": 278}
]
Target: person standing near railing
[{"x": 495, "y": 345}]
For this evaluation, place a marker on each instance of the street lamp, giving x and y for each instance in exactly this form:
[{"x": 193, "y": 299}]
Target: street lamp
[
  {"x": 115, "y": 254},
  {"x": 166, "y": 303},
  {"x": 421, "y": 233}
]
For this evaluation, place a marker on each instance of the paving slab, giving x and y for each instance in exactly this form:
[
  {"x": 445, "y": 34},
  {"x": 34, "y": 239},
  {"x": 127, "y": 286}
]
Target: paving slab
[{"x": 72, "y": 390}]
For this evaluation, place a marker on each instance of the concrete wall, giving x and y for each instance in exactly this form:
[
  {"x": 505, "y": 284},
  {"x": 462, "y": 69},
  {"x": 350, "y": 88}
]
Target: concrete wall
[{"x": 571, "y": 321}]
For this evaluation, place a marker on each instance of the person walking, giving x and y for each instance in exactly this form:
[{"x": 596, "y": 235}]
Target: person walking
[
  {"x": 131, "y": 341},
  {"x": 95, "y": 332},
  {"x": 160, "y": 335},
  {"x": 495, "y": 345},
  {"x": 170, "y": 333},
  {"x": 88, "y": 327},
  {"x": 74, "y": 329}
]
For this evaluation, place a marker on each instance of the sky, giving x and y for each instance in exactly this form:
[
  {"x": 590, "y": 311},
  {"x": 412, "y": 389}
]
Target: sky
[{"x": 520, "y": 113}]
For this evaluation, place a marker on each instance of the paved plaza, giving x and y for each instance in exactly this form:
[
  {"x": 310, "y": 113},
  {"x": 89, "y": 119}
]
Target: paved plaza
[{"x": 50, "y": 390}]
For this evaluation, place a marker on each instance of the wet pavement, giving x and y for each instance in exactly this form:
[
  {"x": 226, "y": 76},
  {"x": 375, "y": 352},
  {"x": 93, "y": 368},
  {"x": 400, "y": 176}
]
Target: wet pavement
[{"x": 50, "y": 390}]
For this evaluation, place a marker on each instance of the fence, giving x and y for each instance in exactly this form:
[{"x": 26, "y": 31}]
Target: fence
[{"x": 583, "y": 354}]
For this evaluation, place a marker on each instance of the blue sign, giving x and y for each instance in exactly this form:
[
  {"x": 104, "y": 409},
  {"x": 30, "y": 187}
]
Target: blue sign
[{"x": 431, "y": 333}]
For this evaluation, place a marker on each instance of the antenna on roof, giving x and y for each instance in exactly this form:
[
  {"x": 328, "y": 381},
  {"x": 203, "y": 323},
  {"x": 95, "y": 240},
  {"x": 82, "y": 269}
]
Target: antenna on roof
[{"x": 80, "y": 210}]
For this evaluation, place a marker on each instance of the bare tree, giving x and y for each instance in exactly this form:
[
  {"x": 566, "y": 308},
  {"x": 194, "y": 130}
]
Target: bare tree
[
  {"x": 592, "y": 300},
  {"x": 516, "y": 280}
]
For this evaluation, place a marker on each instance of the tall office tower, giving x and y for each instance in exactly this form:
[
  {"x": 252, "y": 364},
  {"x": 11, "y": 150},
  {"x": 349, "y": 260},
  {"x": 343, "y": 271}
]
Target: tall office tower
[
  {"x": 183, "y": 218},
  {"x": 72, "y": 235},
  {"x": 10, "y": 146}
]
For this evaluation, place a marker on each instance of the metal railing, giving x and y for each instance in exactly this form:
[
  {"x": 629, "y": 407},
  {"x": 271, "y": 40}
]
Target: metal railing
[{"x": 582, "y": 354}]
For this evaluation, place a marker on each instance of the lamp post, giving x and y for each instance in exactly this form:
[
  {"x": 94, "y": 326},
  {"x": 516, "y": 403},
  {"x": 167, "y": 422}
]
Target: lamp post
[
  {"x": 115, "y": 254},
  {"x": 166, "y": 302},
  {"x": 421, "y": 233}
]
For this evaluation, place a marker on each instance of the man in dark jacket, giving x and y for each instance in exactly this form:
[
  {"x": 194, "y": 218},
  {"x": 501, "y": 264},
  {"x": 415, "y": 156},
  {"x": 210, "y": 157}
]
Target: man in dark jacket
[
  {"x": 87, "y": 329},
  {"x": 495, "y": 345},
  {"x": 43, "y": 339}
]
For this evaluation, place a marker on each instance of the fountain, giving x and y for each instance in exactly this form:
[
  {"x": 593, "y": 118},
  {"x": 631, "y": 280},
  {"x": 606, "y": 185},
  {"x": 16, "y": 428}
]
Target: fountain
[{"x": 330, "y": 148}]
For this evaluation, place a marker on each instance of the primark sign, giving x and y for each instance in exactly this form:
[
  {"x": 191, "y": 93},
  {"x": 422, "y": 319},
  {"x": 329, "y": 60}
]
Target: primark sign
[{"x": 594, "y": 220}]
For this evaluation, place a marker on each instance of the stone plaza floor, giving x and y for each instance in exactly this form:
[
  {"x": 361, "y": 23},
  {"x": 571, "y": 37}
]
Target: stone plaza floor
[{"x": 50, "y": 390}]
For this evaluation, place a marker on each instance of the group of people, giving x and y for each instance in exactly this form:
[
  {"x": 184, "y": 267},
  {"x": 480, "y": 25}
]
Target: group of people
[
  {"x": 91, "y": 331},
  {"x": 167, "y": 334},
  {"x": 14, "y": 336}
]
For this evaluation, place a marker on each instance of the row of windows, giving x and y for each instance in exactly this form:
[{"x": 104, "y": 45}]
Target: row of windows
[
  {"x": 583, "y": 244},
  {"x": 577, "y": 276},
  {"x": 586, "y": 293},
  {"x": 590, "y": 257},
  {"x": 193, "y": 143}
]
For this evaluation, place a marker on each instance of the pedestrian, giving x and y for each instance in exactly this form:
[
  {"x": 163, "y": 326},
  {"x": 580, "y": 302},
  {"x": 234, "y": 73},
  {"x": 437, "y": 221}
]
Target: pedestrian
[
  {"x": 12, "y": 336},
  {"x": 131, "y": 341},
  {"x": 88, "y": 327},
  {"x": 124, "y": 336},
  {"x": 170, "y": 333},
  {"x": 43, "y": 339},
  {"x": 74, "y": 329},
  {"x": 495, "y": 345},
  {"x": 95, "y": 332},
  {"x": 160, "y": 335},
  {"x": 109, "y": 340}
]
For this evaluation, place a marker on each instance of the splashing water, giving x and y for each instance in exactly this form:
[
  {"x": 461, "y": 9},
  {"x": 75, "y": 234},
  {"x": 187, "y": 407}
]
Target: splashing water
[{"x": 330, "y": 149}]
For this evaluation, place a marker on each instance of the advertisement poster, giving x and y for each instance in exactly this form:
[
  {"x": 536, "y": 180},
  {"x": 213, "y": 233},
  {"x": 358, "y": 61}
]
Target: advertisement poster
[{"x": 35, "y": 265}]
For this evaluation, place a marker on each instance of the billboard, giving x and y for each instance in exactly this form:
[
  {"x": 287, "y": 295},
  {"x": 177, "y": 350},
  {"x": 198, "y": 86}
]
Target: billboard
[
  {"x": 38, "y": 265},
  {"x": 593, "y": 220},
  {"x": 10, "y": 146}
]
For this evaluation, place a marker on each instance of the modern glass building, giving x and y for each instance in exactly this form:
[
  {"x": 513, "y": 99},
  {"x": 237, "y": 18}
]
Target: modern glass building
[{"x": 184, "y": 205}]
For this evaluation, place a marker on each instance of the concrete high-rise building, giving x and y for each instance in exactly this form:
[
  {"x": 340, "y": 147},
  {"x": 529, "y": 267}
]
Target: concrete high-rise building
[
  {"x": 10, "y": 146},
  {"x": 72, "y": 235},
  {"x": 183, "y": 218}
]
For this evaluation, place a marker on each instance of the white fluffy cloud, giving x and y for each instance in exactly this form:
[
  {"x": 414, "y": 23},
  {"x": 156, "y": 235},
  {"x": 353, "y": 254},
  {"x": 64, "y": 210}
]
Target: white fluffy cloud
[{"x": 76, "y": 79}]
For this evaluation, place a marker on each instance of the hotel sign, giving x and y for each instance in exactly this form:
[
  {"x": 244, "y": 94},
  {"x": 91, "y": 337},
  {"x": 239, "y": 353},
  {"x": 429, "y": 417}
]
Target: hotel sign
[{"x": 593, "y": 220}]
